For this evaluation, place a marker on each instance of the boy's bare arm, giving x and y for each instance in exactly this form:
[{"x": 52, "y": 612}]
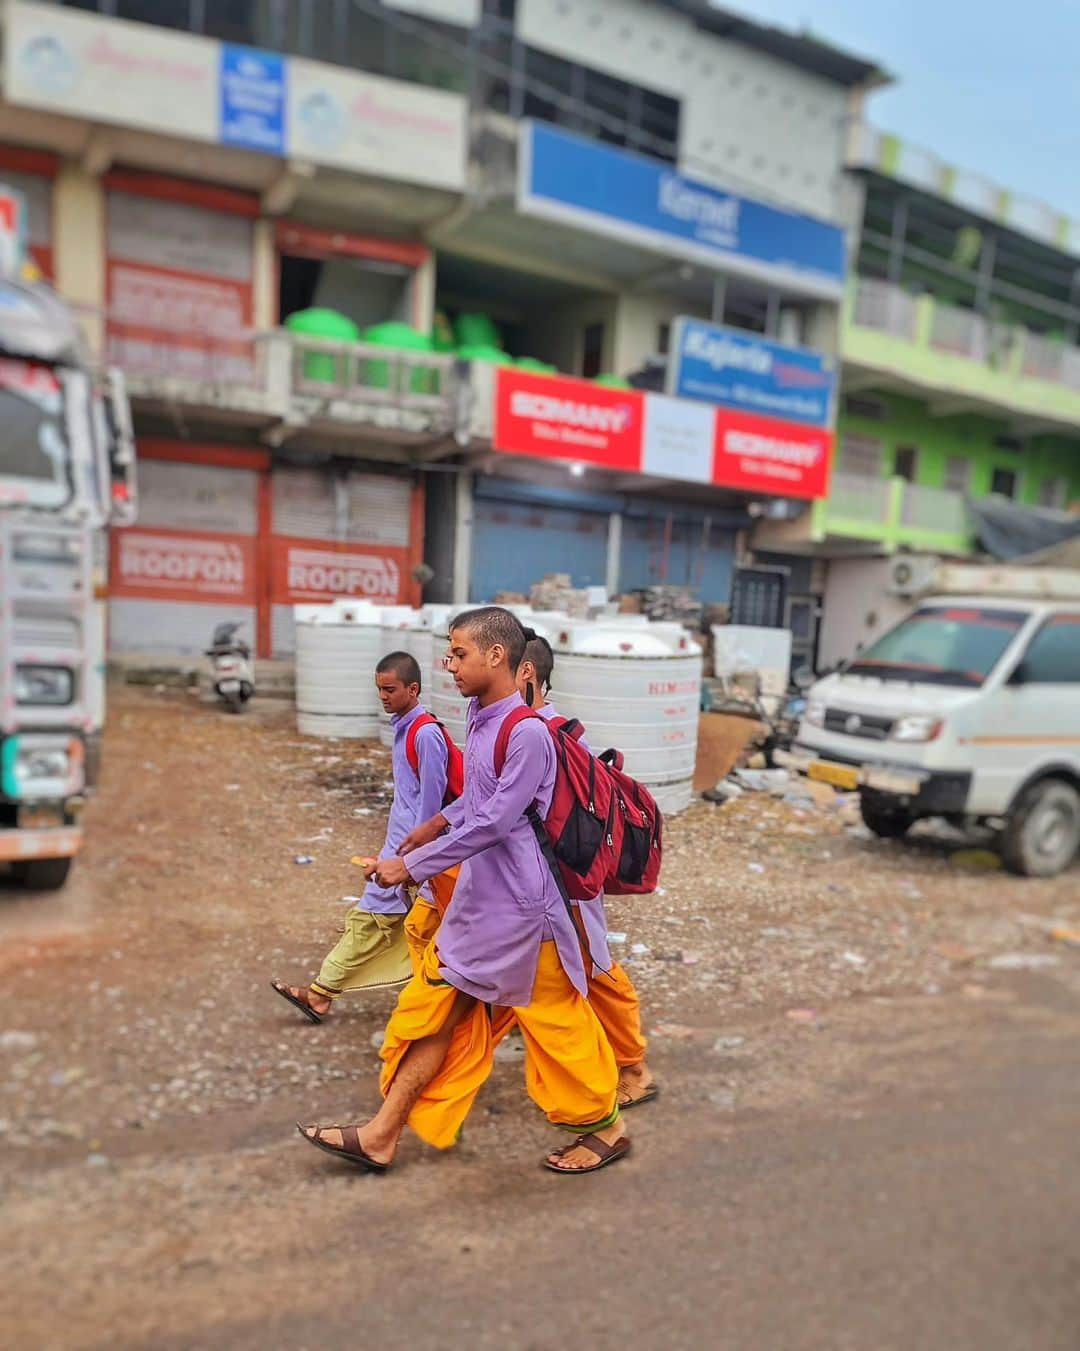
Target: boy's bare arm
[{"x": 424, "y": 833}]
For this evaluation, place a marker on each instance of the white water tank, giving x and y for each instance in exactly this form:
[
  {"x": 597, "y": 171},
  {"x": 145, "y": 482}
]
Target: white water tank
[
  {"x": 397, "y": 623},
  {"x": 636, "y": 687},
  {"x": 337, "y": 648},
  {"x": 442, "y": 696}
]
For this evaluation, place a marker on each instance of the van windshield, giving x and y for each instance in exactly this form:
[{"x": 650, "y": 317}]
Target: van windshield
[
  {"x": 941, "y": 645},
  {"x": 34, "y": 451}
]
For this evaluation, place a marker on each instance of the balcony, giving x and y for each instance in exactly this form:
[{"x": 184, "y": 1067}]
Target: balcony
[
  {"x": 958, "y": 360},
  {"x": 863, "y": 514},
  {"x": 284, "y": 383}
]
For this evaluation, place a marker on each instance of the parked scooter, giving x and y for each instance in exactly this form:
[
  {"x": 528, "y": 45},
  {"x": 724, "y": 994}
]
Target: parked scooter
[{"x": 232, "y": 674}]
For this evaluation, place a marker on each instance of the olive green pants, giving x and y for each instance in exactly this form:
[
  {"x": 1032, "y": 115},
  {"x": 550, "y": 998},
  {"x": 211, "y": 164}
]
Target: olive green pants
[{"x": 372, "y": 952}]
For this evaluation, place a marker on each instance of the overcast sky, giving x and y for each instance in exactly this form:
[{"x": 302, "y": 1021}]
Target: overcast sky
[{"x": 991, "y": 85}]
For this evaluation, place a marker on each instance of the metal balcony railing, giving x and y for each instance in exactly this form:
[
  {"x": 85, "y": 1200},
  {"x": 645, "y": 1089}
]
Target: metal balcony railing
[
  {"x": 961, "y": 332},
  {"x": 857, "y": 497},
  {"x": 886, "y": 308},
  {"x": 935, "y": 509}
]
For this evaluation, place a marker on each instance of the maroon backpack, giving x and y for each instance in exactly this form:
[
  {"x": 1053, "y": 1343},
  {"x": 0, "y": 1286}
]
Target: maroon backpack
[
  {"x": 603, "y": 831},
  {"x": 455, "y": 764}
]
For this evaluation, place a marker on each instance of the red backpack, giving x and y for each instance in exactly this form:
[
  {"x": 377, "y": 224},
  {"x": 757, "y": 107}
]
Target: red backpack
[
  {"x": 603, "y": 831},
  {"x": 455, "y": 764}
]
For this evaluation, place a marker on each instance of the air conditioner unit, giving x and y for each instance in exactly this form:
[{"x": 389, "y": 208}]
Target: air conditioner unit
[{"x": 913, "y": 574}]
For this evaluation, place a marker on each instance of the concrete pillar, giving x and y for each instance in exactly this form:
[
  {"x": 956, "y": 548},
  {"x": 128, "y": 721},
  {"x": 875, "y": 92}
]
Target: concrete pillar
[
  {"x": 614, "y": 552},
  {"x": 264, "y": 276},
  {"x": 79, "y": 247},
  {"x": 423, "y": 297},
  {"x": 463, "y": 536}
]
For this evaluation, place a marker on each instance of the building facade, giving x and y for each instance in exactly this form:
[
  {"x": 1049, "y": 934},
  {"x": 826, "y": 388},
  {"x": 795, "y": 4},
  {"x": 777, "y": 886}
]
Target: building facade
[{"x": 507, "y": 287}]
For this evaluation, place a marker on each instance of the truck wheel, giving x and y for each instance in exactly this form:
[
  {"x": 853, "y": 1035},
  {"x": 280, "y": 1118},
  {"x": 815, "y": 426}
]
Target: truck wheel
[
  {"x": 1042, "y": 833},
  {"x": 891, "y": 823},
  {"x": 41, "y": 874}
]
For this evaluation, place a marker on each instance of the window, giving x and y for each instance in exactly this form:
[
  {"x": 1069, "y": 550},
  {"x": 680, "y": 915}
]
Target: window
[
  {"x": 1053, "y": 655},
  {"x": 873, "y": 410},
  {"x": 906, "y": 463},
  {"x": 860, "y": 456},
  {"x": 942, "y": 645},
  {"x": 592, "y": 351},
  {"x": 1054, "y": 492},
  {"x": 663, "y": 339},
  {"x": 957, "y": 474},
  {"x": 1003, "y": 482}
]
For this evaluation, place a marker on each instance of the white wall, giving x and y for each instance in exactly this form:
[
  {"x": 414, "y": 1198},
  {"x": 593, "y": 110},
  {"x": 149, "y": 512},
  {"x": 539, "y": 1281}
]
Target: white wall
[
  {"x": 857, "y": 607},
  {"x": 638, "y": 322},
  {"x": 750, "y": 122}
]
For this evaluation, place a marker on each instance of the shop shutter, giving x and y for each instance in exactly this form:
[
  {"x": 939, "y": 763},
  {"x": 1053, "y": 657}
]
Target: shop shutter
[
  {"x": 189, "y": 563},
  {"x": 515, "y": 544}
]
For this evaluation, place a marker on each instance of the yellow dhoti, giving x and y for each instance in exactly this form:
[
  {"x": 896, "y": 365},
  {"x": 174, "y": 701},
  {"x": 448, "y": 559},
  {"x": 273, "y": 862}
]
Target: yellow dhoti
[{"x": 570, "y": 1069}]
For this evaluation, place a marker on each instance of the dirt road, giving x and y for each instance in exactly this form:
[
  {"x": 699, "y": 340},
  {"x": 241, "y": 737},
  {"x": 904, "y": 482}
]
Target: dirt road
[{"x": 867, "y": 1138}]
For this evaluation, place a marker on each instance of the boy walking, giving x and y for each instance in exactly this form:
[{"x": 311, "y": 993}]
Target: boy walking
[
  {"x": 373, "y": 952},
  {"x": 611, "y": 991},
  {"x": 508, "y": 941}
]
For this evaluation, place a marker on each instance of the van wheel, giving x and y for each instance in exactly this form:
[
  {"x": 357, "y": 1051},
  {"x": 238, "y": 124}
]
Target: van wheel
[
  {"x": 891, "y": 823},
  {"x": 1042, "y": 833},
  {"x": 41, "y": 874}
]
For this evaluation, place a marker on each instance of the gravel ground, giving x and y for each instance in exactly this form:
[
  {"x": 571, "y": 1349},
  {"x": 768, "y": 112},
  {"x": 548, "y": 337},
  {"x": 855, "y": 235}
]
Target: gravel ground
[{"x": 149, "y": 1079}]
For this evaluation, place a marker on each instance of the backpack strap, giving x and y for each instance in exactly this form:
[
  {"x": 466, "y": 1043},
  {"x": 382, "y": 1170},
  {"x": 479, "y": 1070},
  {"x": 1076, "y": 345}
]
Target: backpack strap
[
  {"x": 570, "y": 727},
  {"x": 502, "y": 741},
  {"x": 411, "y": 754}
]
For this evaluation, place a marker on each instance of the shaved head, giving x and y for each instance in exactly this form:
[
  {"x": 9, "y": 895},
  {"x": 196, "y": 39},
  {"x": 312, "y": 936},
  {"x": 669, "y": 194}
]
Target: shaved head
[{"x": 491, "y": 625}]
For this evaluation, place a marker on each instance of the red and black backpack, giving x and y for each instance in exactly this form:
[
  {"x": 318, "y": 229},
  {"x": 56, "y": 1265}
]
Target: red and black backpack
[
  {"x": 455, "y": 764},
  {"x": 603, "y": 831}
]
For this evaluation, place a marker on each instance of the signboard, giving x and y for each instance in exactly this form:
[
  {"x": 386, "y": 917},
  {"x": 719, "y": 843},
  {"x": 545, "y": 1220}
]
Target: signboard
[
  {"x": 12, "y": 230},
  {"x": 141, "y": 75},
  {"x": 372, "y": 125},
  {"x": 763, "y": 455},
  {"x": 133, "y": 74},
  {"x": 307, "y": 571},
  {"x": 253, "y": 99},
  {"x": 621, "y": 195},
  {"x": 740, "y": 370},
  {"x": 564, "y": 419},
  {"x": 179, "y": 288},
  {"x": 550, "y": 417},
  {"x": 172, "y": 565}
]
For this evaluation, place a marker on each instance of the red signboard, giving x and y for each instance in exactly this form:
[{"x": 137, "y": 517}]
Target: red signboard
[
  {"x": 307, "y": 571},
  {"x": 760, "y": 454},
  {"x": 182, "y": 565},
  {"x": 562, "y": 419}
]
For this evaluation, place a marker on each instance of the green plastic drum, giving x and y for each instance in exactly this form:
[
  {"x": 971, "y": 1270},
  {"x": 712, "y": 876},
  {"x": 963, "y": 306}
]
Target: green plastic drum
[
  {"x": 476, "y": 330},
  {"x": 422, "y": 379},
  {"x": 334, "y": 327},
  {"x": 536, "y": 367},
  {"x": 613, "y": 382},
  {"x": 482, "y": 352}
]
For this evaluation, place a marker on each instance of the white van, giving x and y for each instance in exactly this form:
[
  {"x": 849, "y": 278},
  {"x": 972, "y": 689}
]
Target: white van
[{"x": 969, "y": 709}]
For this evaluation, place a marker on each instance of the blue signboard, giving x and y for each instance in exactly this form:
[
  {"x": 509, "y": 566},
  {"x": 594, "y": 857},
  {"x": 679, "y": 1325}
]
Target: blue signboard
[
  {"x": 253, "y": 99},
  {"x": 740, "y": 370},
  {"x": 648, "y": 203}
]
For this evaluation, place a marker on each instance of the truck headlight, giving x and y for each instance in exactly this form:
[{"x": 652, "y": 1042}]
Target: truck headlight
[
  {"x": 815, "y": 713},
  {"x": 917, "y": 727},
  {"x": 42, "y": 766},
  {"x": 44, "y": 685}
]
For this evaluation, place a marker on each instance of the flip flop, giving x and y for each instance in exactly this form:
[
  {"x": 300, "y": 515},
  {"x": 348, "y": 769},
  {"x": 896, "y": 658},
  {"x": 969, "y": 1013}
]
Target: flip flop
[
  {"x": 349, "y": 1150},
  {"x": 305, "y": 1009},
  {"x": 650, "y": 1095},
  {"x": 605, "y": 1154}
]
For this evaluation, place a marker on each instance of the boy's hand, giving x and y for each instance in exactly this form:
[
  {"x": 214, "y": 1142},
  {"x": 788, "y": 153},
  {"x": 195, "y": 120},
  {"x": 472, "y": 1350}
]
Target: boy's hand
[
  {"x": 391, "y": 872},
  {"x": 423, "y": 834},
  {"x": 368, "y": 864}
]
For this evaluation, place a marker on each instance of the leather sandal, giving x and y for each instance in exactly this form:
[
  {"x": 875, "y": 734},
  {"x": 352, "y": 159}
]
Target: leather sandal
[
  {"x": 297, "y": 1001},
  {"x": 348, "y": 1149},
  {"x": 605, "y": 1154}
]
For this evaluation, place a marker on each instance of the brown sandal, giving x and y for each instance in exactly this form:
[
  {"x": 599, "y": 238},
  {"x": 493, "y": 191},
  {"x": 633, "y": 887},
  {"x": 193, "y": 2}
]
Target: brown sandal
[
  {"x": 297, "y": 1001},
  {"x": 605, "y": 1154},
  {"x": 652, "y": 1092},
  {"x": 349, "y": 1148}
]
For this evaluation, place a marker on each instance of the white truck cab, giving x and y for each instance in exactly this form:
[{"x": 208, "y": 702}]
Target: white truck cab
[{"x": 969, "y": 709}]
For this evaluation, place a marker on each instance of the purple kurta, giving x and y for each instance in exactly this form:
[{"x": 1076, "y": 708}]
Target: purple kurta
[
  {"x": 593, "y": 915},
  {"x": 417, "y": 798},
  {"x": 506, "y": 902}
]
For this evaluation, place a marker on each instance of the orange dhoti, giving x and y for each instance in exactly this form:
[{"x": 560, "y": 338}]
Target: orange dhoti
[
  {"x": 423, "y": 920},
  {"x": 570, "y": 1069}
]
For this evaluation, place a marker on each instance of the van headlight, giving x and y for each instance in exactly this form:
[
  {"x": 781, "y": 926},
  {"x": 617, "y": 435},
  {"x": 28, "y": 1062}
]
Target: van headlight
[
  {"x": 815, "y": 713},
  {"x": 44, "y": 685},
  {"x": 917, "y": 727}
]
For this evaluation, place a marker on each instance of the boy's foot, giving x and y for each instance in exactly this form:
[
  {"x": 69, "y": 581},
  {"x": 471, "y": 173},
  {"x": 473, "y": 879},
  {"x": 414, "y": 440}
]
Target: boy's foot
[
  {"x": 591, "y": 1152},
  {"x": 311, "y": 1005},
  {"x": 351, "y": 1143},
  {"x": 636, "y": 1086}
]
